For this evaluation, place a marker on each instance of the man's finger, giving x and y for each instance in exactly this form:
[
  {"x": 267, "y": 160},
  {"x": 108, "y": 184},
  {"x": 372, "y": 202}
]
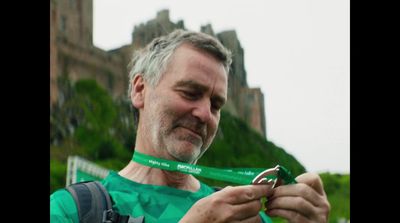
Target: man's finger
[
  {"x": 313, "y": 180},
  {"x": 254, "y": 219},
  {"x": 246, "y": 193},
  {"x": 289, "y": 215},
  {"x": 298, "y": 190},
  {"x": 246, "y": 210},
  {"x": 296, "y": 204}
]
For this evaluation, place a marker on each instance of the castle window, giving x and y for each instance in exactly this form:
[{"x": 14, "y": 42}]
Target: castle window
[{"x": 63, "y": 23}]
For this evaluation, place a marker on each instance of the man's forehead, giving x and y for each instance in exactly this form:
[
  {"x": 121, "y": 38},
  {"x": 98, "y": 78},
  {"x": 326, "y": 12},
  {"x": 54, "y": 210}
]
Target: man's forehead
[
  {"x": 195, "y": 68},
  {"x": 192, "y": 54}
]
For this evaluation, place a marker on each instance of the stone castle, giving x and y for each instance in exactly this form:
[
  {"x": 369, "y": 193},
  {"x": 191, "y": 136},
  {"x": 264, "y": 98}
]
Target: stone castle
[{"x": 73, "y": 54}]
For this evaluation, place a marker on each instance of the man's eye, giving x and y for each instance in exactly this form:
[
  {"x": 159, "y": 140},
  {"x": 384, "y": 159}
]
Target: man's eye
[
  {"x": 216, "y": 106},
  {"x": 190, "y": 95}
]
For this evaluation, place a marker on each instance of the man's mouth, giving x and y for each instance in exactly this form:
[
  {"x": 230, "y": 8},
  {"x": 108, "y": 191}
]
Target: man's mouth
[{"x": 193, "y": 132}]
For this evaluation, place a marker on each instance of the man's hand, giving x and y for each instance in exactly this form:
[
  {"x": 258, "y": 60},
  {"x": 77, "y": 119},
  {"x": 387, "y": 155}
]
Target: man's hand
[
  {"x": 231, "y": 204},
  {"x": 305, "y": 201}
]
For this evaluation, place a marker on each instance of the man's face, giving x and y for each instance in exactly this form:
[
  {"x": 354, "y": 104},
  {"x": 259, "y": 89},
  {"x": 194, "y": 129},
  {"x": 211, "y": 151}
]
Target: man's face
[{"x": 182, "y": 112}]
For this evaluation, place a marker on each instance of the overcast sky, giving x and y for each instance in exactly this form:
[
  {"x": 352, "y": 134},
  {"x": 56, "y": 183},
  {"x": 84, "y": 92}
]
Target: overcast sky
[{"x": 296, "y": 51}]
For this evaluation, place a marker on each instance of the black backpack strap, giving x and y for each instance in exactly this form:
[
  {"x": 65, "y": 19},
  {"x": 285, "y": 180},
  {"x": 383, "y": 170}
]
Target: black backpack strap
[
  {"x": 112, "y": 216},
  {"x": 91, "y": 200},
  {"x": 94, "y": 204}
]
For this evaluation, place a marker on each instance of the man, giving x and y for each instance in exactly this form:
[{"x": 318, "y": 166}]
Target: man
[{"x": 178, "y": 84}]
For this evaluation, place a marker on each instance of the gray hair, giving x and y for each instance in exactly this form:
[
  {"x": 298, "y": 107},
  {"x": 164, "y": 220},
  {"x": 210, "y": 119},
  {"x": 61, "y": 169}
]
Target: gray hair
[{"x": 152, "y": 61}]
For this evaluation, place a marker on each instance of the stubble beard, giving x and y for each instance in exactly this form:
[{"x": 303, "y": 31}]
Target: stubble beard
[{"x": 167, "y": 136}]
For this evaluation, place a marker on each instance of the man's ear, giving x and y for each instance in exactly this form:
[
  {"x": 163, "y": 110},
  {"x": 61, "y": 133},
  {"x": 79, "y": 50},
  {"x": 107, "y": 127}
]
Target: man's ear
[{"x": 137, "y": 93}]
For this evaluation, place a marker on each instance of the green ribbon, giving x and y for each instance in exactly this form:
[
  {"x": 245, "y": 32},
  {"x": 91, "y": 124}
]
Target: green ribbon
[{"x": 242, "y": 176}]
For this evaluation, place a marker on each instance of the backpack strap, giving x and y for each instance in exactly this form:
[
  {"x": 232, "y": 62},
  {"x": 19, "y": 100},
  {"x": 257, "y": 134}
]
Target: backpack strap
[{"x": 94, "y": 204}]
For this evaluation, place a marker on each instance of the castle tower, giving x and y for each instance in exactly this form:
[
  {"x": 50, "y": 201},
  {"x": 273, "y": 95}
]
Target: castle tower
[
  {"x": 73, "y": 54},
  {"x": 75, "y": 21},
  {"x": 161, "y": 25}
]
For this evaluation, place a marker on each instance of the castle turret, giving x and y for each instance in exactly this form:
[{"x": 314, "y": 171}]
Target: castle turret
[
  {"x": 161, "y": 25},
  {"x": 207, "y": 29}
]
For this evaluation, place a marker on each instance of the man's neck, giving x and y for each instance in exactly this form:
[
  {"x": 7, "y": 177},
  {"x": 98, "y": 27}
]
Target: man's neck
[{"x": 148, "y": 175}]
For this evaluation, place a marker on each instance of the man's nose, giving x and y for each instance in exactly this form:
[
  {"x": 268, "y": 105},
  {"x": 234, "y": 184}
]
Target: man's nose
[{"x": 203, "y": 111}]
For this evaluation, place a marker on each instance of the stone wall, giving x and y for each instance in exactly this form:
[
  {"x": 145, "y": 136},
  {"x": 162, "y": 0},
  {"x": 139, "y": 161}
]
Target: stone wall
[
  {"x": 252, "y": 108},
  {"x": 237, "y": 74},
  {"x": 77, "y": 63},
  {"x": 75, "y": 20},
  {"x": 53, "y": 53}
]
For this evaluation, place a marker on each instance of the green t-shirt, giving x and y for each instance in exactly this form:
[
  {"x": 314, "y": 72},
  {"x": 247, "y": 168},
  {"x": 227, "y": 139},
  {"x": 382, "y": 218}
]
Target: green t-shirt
[{"x": 155, "y": 203}]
